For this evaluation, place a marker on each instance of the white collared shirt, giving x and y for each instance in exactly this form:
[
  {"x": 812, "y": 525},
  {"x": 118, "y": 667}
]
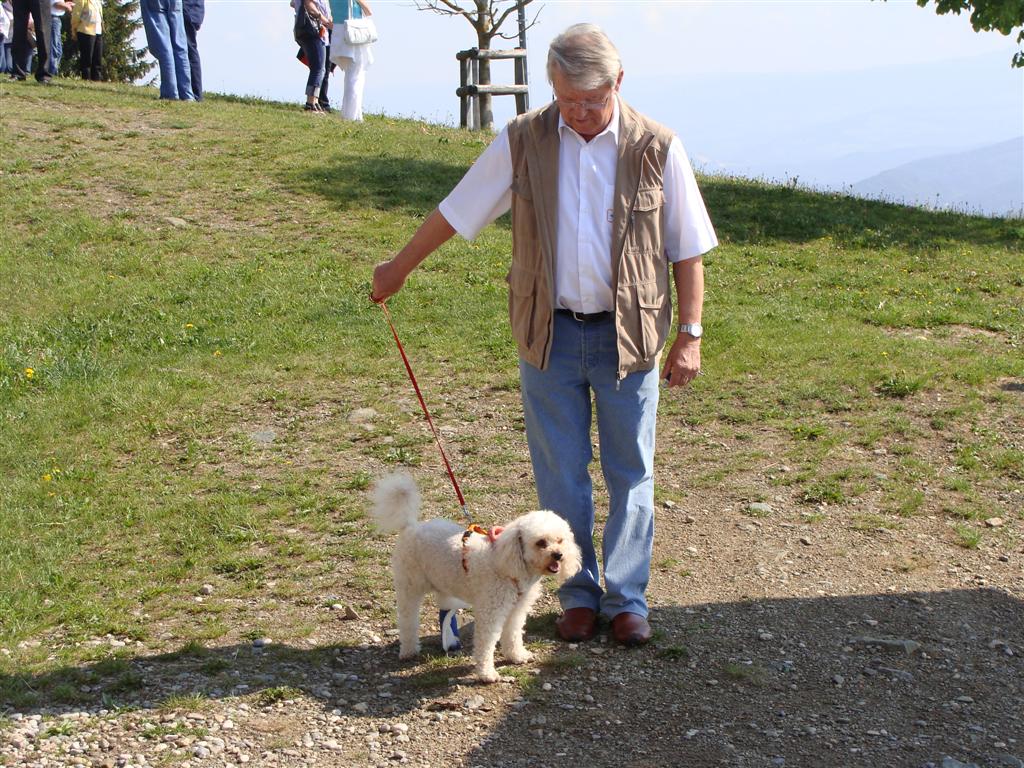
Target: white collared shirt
[{"x": 586, "y": 188}]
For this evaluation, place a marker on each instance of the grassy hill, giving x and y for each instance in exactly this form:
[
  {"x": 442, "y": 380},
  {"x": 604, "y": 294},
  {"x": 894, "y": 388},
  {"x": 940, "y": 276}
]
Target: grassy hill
[{"x": 186, "y": 344}]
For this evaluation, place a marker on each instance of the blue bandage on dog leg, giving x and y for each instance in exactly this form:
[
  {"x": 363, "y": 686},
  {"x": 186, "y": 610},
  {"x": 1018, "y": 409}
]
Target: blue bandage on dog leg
[{"x": 449, "y": 621}]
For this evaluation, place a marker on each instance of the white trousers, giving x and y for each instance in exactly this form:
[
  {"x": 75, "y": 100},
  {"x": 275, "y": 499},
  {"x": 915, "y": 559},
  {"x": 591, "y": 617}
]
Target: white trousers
[{"x": 355, "y": 81}]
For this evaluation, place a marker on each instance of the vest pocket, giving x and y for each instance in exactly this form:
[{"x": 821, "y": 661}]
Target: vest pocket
[
  {"x": 645, "y": 224},
  {"x": 649, "y": 199},
  {"x": 522, "y": 305},
  {"x": 649, "y": 305}
]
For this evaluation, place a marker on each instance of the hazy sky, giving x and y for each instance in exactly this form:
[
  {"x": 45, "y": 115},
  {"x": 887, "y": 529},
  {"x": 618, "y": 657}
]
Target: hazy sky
[{"x": 746, "y": 83}]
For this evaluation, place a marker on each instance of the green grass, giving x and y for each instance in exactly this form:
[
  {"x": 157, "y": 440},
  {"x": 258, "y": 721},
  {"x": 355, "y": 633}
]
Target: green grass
[
  {"x": 744, "y": 673},
  {"x": 273, "y": 695},
  {"x": 967, "y": 536},
  {"x": 674, "y": 653},
  {"x": 142, "y": 362}
]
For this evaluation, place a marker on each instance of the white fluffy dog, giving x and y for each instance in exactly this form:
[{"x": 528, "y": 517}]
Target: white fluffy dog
[{"x": 498, "y": 573}]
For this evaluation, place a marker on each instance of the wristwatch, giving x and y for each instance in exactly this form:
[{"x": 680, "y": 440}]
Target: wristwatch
[{"x": 693, "y": 329}]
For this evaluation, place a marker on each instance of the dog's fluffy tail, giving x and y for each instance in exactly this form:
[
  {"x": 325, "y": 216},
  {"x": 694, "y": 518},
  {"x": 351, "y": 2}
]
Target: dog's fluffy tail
[{"x": 396, "y": 502}]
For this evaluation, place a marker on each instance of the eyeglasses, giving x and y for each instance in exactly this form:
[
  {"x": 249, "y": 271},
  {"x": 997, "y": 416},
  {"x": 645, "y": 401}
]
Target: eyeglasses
[{"x": 587, "y": 106}]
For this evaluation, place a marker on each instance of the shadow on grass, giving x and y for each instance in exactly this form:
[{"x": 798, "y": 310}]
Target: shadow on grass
[
  {"x": 750, "y": 212},
  {"x": 744, "y": 212},
  {"x": 409, "y": 185},
  {"x": 741, "y": 683}
]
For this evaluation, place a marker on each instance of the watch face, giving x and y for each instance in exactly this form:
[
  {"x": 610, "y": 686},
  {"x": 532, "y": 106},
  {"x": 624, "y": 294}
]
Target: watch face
[{"x": 693, "y": 329}]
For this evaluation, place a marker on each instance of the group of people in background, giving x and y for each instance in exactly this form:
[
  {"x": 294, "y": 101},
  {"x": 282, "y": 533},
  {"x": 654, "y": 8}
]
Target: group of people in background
[
  {"x": 36, "y": 26},
  {"x": 30, "y": 27},
  {"x": 324, "y": 48},
  {"x": 172, "y": 28}
]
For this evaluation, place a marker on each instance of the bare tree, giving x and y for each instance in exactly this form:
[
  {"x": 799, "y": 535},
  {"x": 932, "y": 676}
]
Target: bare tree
[{"x": 486, "y": 17}]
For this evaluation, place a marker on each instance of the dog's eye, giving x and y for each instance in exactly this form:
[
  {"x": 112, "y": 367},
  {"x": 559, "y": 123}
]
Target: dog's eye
[{"x": 542, "y": 543}]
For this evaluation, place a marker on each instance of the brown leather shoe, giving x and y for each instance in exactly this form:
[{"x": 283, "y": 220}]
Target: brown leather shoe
[
  {"x": 631, "y": 629},
  {"x": 577, "y": 625}
]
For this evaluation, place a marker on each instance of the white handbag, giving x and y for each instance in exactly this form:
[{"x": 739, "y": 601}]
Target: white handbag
[{"x": 359, "y": 31}]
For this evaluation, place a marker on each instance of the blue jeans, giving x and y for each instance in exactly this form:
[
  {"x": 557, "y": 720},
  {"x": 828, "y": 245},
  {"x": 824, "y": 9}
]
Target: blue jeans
[
  {"x": 557, "y": 408},
  {"x": 5, "y": 57},
  {"x": 195, "y": 65},
  {"x": 165, "y": 35},
  {"x": 316, "y": 55},
  {"x": 56, "y": 45}
]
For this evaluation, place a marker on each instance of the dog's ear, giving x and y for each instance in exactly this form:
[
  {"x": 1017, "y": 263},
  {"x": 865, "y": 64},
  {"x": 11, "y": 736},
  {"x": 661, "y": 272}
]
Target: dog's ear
[
  {"x": 572, "y": 558},
  {"x": 509, "y": 557}
]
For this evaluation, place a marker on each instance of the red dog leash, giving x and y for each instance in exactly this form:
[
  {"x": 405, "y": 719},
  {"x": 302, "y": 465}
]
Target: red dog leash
[{"x": 423, "y": 405}]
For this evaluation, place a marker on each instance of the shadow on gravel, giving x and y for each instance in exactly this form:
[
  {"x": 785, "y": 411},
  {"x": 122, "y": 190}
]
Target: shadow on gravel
[{"x": 873, "y": 680}]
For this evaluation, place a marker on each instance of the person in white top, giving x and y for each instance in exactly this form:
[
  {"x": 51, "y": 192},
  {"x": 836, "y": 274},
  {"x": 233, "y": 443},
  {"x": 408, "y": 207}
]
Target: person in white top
[
  {"x": 6, "y": 25},
  {"x": 606, "y": 216}
]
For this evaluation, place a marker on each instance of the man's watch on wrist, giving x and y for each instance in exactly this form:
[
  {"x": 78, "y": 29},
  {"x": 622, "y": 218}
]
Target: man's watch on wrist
[{"x": 693, "y": 329}]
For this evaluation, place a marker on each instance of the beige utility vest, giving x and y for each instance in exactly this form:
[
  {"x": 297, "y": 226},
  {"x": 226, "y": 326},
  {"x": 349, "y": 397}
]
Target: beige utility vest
[{"x": 640, "y": 272}]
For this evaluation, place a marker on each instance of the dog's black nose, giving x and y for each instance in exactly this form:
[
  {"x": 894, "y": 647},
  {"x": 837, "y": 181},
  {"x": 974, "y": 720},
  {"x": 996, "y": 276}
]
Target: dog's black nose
[{"x": 556, "y": 556}]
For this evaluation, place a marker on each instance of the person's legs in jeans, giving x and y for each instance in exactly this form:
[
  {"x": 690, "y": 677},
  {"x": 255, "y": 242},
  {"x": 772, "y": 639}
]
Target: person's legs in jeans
[
  {"x": 556, "y": 406},
  {"x": 179, "y": 48},
  {"x": 557, "y": 411},
  {"x": 4, "y": 66},
  {"x": 158, "y": 38},
  {"x": 626, "y": 417},
  {"x": 56, "y": 44},
  {"x": 322, "y": 100},
  {"x": 314, "y": 49},
  {"x": 194, "y": 64}
]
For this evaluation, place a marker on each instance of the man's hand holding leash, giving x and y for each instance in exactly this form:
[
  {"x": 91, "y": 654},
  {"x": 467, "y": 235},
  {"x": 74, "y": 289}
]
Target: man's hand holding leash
[{"x": 387, "y": 281}]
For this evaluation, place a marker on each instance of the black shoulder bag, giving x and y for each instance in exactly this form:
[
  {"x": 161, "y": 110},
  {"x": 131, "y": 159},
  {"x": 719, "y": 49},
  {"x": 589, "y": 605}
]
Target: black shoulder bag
[{"x": 305, "y": 26}]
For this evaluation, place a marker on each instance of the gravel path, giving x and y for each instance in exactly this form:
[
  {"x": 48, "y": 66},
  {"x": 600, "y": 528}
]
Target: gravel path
[{"x": 773, "y": 648}]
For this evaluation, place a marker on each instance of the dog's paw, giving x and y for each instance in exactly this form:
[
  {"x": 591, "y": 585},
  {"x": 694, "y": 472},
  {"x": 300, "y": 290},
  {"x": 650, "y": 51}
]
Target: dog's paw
[
  {"x": 408, "y": 653},
  {"x": 522, "y": 656},
  {"x": 488, "y": 676}
]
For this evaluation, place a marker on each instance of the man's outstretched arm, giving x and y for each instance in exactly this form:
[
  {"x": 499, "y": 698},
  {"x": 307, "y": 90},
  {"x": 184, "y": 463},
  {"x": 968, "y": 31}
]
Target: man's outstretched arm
[{"x": 389, "y": 277}]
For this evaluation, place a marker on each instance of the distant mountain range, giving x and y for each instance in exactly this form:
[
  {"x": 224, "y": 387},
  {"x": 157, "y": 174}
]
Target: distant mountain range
[
  {"x": 845, "y": 131},
  {"x": 988, "y": 180}
]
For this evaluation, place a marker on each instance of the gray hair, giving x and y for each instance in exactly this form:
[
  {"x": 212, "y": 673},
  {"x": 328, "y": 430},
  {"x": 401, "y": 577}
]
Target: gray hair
[{"x": 585, "y": 57}]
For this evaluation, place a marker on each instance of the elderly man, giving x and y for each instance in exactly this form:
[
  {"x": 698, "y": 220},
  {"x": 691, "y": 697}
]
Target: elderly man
[{"x": 604, "y": 206}]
